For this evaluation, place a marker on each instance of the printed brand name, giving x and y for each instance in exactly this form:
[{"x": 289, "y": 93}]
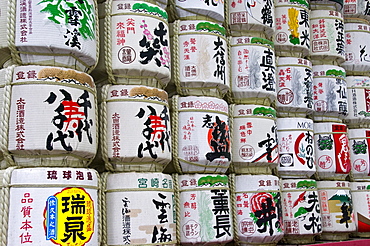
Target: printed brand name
[{"x": 305, "y": 125}]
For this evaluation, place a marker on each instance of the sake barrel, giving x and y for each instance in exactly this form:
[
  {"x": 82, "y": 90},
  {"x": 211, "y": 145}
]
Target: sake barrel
[
  {"x": 137, "y": 134},
  {"x": 327, "y": 5},
  {"x": 205, "y": 209},
  {"x": 301, "y": 210},
  {"x": 140, "y": 209},
  {"x": 359, "y": 145},
  {"x": 201, "y": 135},
  {"x": 251, "y": 18},
  {"x": 292, "y": 33},
  {"x": 53, "y": 206},
  {"x": 197, "y": 10},
  {"x": 329, "y": 93},
  {"x": 137, "y": 43},
  {"x": 55, "y": 126},
  {"x": 254, "y": 135},
  {"x": 327, "y": 36},
  {"x": 252, "y": 71},
  {"x": 355, "y": 51},
  {"x": 332, "y": 151},
  {"x": 52, "y": 33},
  {"x": 358, "y": 90},
  {"x": 361, "y": 207},
  {"x": 258, "y": 209},
  {"x": 294, "y": 87},
  {"x": 336, "y": 210},
  {"x": 296, "y": 147},
  {"x": 201, "y": 58},
  {"x": 356, "y": 9}
]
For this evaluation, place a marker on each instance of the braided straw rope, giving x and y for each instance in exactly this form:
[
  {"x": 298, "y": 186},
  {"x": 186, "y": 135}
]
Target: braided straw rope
[
  {"x": 11, "y": 21},
  {"x": 175, "y": 130},
  {"x": 233, "y": 208},
  {"x": 103, "y": 128},
  {"x": 175, "y": 178},
  {"x": 4, "y": 205},
  {"x": 231, "y": 127},
  {"x": 103, "y": 208},
  {"x": 108, "y": 41},
  {"x": 5, "y": 115}
]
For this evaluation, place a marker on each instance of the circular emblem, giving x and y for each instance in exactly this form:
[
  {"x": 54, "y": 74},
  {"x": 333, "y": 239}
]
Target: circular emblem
[
  {"x": 281, "y": 37},
  {"x": 246, "y": 152},
  {"x": 285, "y": 96},
  {"x": 325, "y": 162},
  {"x": 360, "y": 165},
  {"x": 126, "y": 55},
  {"x": 247, "y": 226},
  {"x": 321, "y": 106}
]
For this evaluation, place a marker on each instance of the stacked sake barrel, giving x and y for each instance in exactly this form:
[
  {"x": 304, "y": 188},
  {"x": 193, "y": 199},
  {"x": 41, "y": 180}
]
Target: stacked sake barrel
[
  {"x": 138, "y": 199},
  {"x": 48, "y": 123}
]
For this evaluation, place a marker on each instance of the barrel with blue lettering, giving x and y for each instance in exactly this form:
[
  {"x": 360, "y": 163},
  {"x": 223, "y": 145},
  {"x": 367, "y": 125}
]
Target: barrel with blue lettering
[{"x": 51, "y": 206}]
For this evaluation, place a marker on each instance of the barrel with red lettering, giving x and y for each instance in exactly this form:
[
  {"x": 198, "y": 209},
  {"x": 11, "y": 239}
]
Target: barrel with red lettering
[
  {"x": 301, "y": 211},
  {"x": 336, "y": 210},
  {"x": 137, "y": 132},
  {"x": 55, "y": 126},
  {"x": 251, "y": 18},
  {"x": 137, "y": 44},
  {"x": 200, "y": 58},
  {"x": 359, "y": 145},
  {"x": 252, "y": 71},
  {"x": 356, "y": 9},
  {"x": 51, "y": 206},
  {"x": 355, "y": 62},
  {"x": 296, "y": 148},
  {"x": 139, "y": 209},
  {"x": 200, "y": 196},
  {"x": 254, "y": 146},
  {"x": 358, "y": 92},
  {"x": 361, "y": 208},
  {"x": 258, "y": 209},
  {"x": 332, "y": 151},
  {"x": 327, "y": 36},
  {"x": 201, "y": 135},
  {"x": 292, "y": 33},
  {"x": 329, "y": 93},
  {"x": 294, "y": 87}
]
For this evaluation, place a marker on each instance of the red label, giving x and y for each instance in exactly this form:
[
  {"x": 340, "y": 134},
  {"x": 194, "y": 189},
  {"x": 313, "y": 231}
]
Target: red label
[
  {"x": 367, "y": 99},
  {"x": 342, "y": 160}
]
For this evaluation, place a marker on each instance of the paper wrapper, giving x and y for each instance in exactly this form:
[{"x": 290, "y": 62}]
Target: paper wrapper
[
  {"x": 140, "y": 209},
  {"x": 253, "y": 193},
  {"x": 4, "y": 49},
  {"x": 137, "y": 135},
  {"x": 296, "y": 148},
  {"x": 50, "y": 206},
  {"x": 54, "y": 33},
  {"x": 251, "y": 19},
  {"x": 301, "y": 210},
  {"x": 197, "y": 10},
  {"x": 329, "y": 93},
  {"x": 355, "y": 63},
  {"x": 359, "y": 145},
  {"x": 200, "y": 197},
  {"x": 201, "y": 58},
  {"x": 294, "y": 87},
  {"x": 361, "y": 207},
  {"x": 254, "y": 147},
  {"x": 56, "y": 125},
  {"x": 332, "y": 151},
  {"x": 201, "y": 135},
  {"x": 327, "y": 36},
  {"x": 292, "y": 34},
  {"x": 336, "y": 209},
  {"x": 252, "y": 71},
  {"x": 358, "y": 92},
  {"x": 137, "y": 44}
]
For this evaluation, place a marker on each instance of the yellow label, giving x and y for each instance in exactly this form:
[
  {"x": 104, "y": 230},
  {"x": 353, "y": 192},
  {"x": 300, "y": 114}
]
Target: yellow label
[{"x": 69, "y": 217}]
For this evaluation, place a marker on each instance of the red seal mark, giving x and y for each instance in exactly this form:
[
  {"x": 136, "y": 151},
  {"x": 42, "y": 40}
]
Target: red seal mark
[
  {"x": 321, "y": 106},
  {"x": 285, "y": 96},
  {"x": 360, "y": 165},
  {"x": 247, "y": 227},
  {"x": 281, "y": 37},
  {"x": 325, "y": 162}
]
